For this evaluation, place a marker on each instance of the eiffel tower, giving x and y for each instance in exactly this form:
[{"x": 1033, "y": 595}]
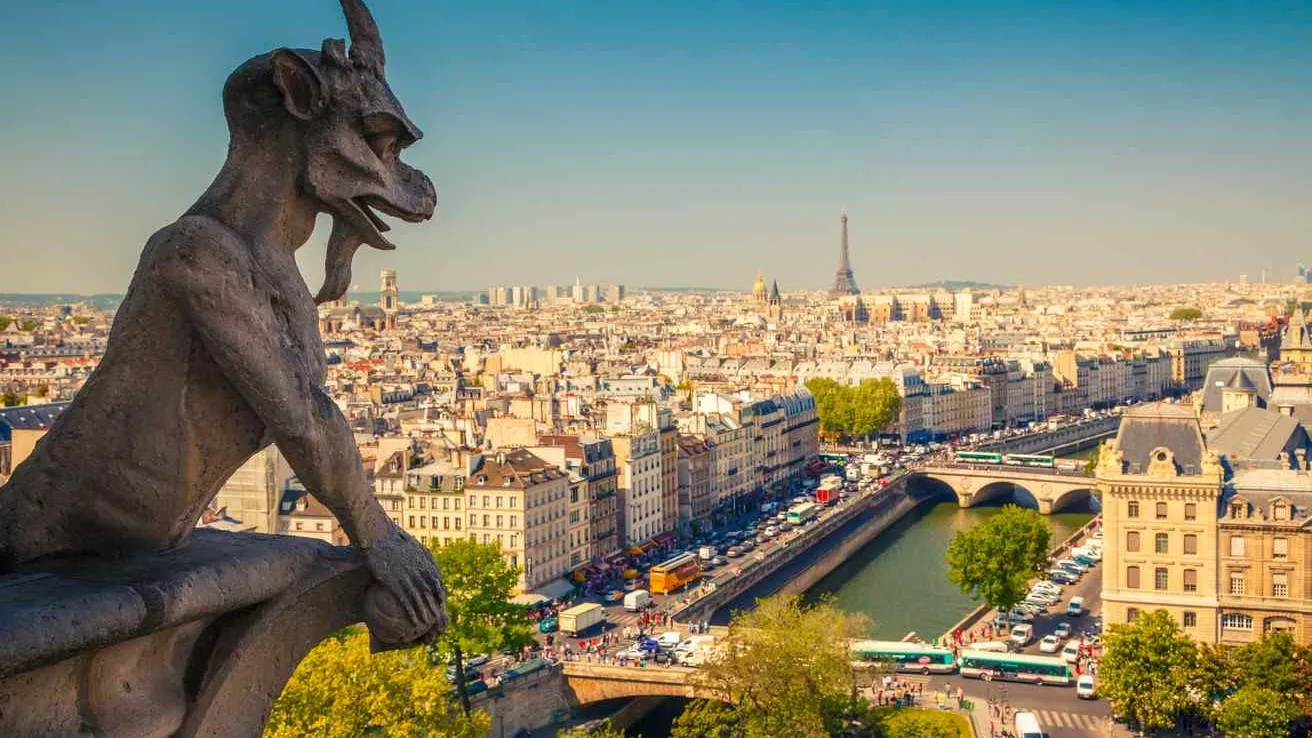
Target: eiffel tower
[{"x": 844, "y": 282}]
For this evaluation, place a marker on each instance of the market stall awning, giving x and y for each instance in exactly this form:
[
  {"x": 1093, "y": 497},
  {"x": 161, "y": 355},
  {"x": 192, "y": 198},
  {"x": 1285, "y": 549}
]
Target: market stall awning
[{"x": 555, "y": 589}]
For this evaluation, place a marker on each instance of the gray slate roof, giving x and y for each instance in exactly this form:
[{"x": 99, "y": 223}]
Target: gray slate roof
[
  {"x": 1222, "y": 373},
  {"x": 1148, "y": 427},
  {"x": 1258, "y": 434},
  {"x": 29, "y": 417}
]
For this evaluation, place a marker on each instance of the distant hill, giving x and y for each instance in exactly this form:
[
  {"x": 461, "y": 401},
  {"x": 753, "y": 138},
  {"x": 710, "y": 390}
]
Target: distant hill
[
  {"x": 954, "y": 285},
  {"x": 46, "y": 299}
]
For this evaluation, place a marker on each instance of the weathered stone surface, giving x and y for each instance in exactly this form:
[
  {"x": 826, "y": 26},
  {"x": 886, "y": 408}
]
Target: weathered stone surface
[{"x": 115, "y": 620}]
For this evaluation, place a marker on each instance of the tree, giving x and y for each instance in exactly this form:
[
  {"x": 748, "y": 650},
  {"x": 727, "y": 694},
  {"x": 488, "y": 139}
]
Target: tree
[
  {"x": 5, "y": 320},
  {"x": 1146, "y": 668},
  {"x": 604, "y": 730},
  {"x": 1257, "y": 712},
  {"x": 1186, "y": 313},
  {"x": 831, "y": 405},
  {"x": 995, "y": 560},
  {"x": 341, "y": 691},
  {"x": 875, "y": 405},
  {"x": 787, "y": 672},
  {"x": 593, "y": 309},
  {"x": 914, "y": 723},
  {"x": 480, "y": 617},
  {"x": 28, "y": 325}
]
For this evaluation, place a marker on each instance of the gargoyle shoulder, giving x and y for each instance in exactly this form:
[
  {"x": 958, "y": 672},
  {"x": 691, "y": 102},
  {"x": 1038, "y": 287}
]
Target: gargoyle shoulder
[{"x": 196, "y": 251}]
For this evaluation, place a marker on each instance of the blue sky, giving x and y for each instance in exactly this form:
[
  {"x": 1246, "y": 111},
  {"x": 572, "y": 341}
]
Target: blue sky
[{"x": 693, "y": 143}]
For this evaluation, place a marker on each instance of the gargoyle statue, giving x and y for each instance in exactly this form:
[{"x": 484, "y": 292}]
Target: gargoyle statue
[{"x": 215, "y": 351}]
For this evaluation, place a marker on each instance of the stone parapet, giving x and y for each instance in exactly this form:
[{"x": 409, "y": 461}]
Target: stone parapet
[{"x": 195, "y": 641}]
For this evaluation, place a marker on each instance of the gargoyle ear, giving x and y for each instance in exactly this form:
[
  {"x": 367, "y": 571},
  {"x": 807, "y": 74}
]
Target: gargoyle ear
[{"x": 303, "y": 91}]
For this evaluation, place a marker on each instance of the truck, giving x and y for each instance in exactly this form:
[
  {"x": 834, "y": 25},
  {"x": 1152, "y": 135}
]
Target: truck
[
  {"x": 580, "y": 618},
  {"x": 827, "y": 493},
  {"x": 637, "y": 600}
]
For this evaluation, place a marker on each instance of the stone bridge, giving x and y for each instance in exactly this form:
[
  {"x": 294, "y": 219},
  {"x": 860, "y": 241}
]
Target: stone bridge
[
  {"x": 1052, "y": 490},
  {"x": 590, "y": 682}
]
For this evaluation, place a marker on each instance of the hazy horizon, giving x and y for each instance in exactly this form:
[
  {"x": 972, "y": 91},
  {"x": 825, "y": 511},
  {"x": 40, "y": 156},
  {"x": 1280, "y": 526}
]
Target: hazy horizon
[{"x": 1090, "y": 143}]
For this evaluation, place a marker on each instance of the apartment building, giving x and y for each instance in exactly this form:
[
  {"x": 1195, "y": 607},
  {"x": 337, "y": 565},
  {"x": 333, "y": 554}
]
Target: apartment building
[
  {"x": 640, "y": 507},
  {"x": 521, "y": 502},
  {"x": 695, "y": 498},
  {"x": 1229, "y": 559}
]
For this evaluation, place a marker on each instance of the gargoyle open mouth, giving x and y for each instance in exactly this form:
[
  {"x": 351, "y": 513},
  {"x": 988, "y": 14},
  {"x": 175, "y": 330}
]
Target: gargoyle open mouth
[{"x": 367, "y": 204}]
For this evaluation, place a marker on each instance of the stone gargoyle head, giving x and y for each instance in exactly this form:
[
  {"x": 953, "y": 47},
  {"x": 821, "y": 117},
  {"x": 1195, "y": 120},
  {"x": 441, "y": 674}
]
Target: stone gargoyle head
[{"x": 349, "y": 131}]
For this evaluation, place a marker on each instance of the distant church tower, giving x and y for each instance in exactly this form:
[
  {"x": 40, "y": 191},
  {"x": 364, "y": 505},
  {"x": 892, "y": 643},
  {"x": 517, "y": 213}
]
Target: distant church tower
[
  {"x": 844, "y": 282},
  {"x": 387, "y": 297},
  {"x": 776, "y": 302}
]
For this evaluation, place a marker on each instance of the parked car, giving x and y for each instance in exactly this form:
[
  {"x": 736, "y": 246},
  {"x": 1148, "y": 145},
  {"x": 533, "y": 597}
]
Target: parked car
[
  {"x": 1085, "y": 688},
  {"x": 1050, "y": 644},
  {"x": 1022, "y": 634},
  {"x": 1061, "y": 576},
  {"x": 734, "y": 552},
  {"x": 1075, "y": 608},
  {"x": 1063, "y": 630}
]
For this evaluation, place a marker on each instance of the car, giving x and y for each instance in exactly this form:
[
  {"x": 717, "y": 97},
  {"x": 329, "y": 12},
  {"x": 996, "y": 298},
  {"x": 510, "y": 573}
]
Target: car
[
  {"x": 719, "y": 561},
  {"x": 748, "y": 545},
  {"x": 1050, "y": 644},
  {"x": 771, "y": 532},
  {"x": 1072, "y": 566},
  {"x": 1061, "y": 576},
  {"x": 1001, "y": 621},
  {"x": 1075, "y": 608},
  {"x": 470, "y": 673},
  {"x": 1063, "y": 630},
  {"x": 763, "y": 539},
  {"x": 1071, "y": 653},
  {"x": 734, "y": 552},
  {"x": 548, "y": 625},
  {"x": 1085, "y": 687},
  {"x": 785, "y": 526}
]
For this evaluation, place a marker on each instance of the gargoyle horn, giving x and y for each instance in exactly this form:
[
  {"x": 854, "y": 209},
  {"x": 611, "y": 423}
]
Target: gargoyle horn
[{"x": 366, "y": 41}]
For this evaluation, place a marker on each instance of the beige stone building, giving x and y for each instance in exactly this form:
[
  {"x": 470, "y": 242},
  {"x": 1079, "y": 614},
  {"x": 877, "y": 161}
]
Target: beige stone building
[
  {"x": 1228, "y": 558},
  {"x": 521, "y": 502}
]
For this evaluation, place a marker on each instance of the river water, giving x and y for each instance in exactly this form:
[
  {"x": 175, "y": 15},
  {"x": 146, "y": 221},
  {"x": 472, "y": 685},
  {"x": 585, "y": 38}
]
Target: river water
[{"x": 900, "y": 581}]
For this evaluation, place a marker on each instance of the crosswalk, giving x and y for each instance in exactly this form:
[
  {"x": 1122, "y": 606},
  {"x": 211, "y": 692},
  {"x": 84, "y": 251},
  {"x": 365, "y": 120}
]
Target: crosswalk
[{"x": 1071, "y": 720}]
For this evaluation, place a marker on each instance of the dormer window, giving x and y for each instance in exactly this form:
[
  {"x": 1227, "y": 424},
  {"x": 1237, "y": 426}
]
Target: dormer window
[
  {"x": 1239, "y": 509},
  {"x": 1280, "y": 510}
]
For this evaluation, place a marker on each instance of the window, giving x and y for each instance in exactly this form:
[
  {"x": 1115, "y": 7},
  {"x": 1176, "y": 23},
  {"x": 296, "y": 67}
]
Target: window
[
  {"x": 412, "y": 521},
  {"x": 487, "y": 521},
  {"x": 473, "y": 519},
  {"x": 1131, "y": 613},
  {"x": 1236, "y": 545},
  {"x": 1190, "y": 511},
  {"x": 1279, "y": 584},
  {"x": 460, "y": 483},
  {"x": 473, "y": 500},
  {"x": 1280, "y": 511},
  {"x": 1237, "y": 621},
  {"x": 1132, "y": 541},
  {"x": 1161, "y": 543},
  {"x": 1238, "y": 510},
  {"x": 1237, "y": 584},
  {"x": 1132, "y": 509},
  {"x": 1190, "y": 543},
  {"x": 1190, "y": 619},
  {"x": 457, "y": 523},
  {"x": 514, "y": 521},
  {"x": 446, "y": 523},
  {"x": 512, "y": 500},
  {"x": 1160, "y": 578},
  {"x": 1280, "y": 548},
  {"x": 499, "y": 521},
  {"x": 1132, "y": 577},
  {"x": 487, "y": 501},
  {"x": 1191, "y": 580},
  {"x": 423, "y": 521},
  {"x": 1161, "y": 511}
]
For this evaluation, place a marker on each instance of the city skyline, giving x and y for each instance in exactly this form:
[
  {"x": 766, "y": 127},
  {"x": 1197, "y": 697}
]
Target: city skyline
[{"x": 678, "y": 146}]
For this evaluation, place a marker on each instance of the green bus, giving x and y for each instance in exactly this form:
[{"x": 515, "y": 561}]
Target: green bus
[
  {"x": 1015, "y": 667},
  {"x": 1029, "y": 460},
  {"x": 905, "y": 656},
  {"x": 978, "y": 457}
]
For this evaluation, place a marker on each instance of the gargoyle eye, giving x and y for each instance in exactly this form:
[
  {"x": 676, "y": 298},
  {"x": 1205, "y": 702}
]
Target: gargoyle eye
[{"x": 383, "y": 144}]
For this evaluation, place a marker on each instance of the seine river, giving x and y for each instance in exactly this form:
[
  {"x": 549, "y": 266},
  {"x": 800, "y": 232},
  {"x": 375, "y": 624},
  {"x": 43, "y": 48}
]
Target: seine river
[{"x": 899, "y": 581}]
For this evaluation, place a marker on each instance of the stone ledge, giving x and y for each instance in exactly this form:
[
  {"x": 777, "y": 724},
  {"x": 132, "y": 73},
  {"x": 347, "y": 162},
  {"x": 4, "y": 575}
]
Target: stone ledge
[{"x": 196, "y": 641}]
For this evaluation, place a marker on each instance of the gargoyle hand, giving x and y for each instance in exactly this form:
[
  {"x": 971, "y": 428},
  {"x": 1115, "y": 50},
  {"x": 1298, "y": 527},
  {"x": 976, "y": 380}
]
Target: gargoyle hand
[{"x": 404, "y": 569}]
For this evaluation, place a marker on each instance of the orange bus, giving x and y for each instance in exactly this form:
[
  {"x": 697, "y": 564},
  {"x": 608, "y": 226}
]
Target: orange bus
[{"x": 670, "y": 575}]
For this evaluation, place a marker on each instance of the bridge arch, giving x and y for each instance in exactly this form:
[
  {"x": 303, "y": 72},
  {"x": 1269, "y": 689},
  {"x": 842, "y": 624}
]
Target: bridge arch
[
  {"x": 1003, "y": 491},
  {"x": 927, "y": 487},
  {"x": 1074, "y": 496}
]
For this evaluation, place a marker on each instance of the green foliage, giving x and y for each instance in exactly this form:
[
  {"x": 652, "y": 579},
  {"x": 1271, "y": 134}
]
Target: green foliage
[
  {"x": 604, "y": 730},
  {"x": 1257, "y": 712},
  {"x": 78, "y": 320},
  {"x": 5, "y": 320},
  {"x": 341, "y": 691},
  {"x": 788, "y": 673},
  {"x": 845, "y": 410},
  {"x": 28, "y": 324},
  {"x": 1091, "y": 466},
  {"x": 593, "y": 309},
  {"x": 480, "y": 618},
  {"x": 1186, "y": 313},
  {"x": 995, "y": 560},
  {"x": 916, "y": 723},
  {"x": 1147, "y": 669}
]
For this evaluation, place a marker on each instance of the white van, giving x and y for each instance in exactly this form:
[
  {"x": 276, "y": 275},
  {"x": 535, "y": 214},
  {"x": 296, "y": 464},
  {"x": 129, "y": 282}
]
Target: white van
[
  {"x": 1022, "y": 634},
  {"x": 992, "y": 646},
  {"x": 1076, "y": 607},
  {"x": 637, "y": 600},
  {"x": 706, "y": 553},
  {"x": 1027, "y": 726}
]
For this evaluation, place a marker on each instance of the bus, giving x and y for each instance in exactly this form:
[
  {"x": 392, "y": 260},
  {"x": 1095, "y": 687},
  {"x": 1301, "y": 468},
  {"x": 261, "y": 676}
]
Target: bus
[
  {"x": 674, "y": 573},
  {"x": 1015, "y": 667},
  {"x": 978, "y": 457},
  {"x": 905, "y": 656},
  {"x": 834, "y": 458},
  {"x": 803, "y": 513},
  {"x": 1029, "y": 460}
]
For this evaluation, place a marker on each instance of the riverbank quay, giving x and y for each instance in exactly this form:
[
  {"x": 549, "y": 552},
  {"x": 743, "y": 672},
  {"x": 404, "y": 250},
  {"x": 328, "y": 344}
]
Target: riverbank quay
[
  {"x": 823, "y": 546},
  {"x": 983, "y": 611}
]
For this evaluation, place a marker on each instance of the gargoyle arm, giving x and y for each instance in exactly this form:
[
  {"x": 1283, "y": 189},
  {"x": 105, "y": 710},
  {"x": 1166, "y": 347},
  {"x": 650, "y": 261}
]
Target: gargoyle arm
[{"x": 211, "y": 275}]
